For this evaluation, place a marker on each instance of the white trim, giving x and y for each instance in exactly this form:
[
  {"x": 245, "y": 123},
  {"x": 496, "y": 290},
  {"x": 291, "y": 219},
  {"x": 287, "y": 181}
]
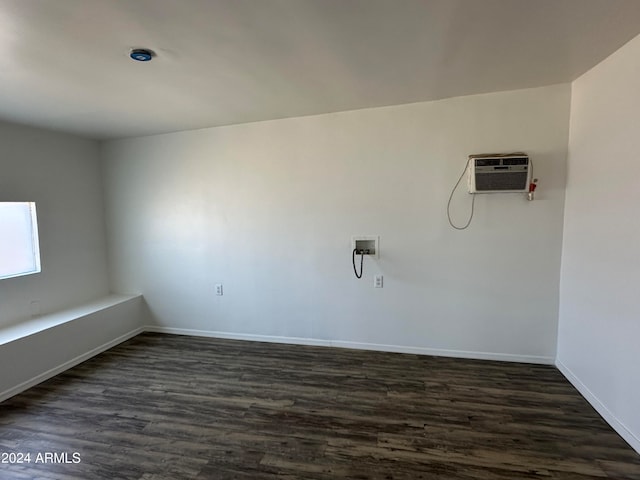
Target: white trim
[
  {"x": 67, "y": 365},
  {"x": 600, "y": 407},
  {"x": 608, "y": 416},
  {"x": 295, "y": 341},
  {"x": 441, "y": 352},
  {"x": 505, "y": 357},
  {"x": 237, "y": 336}
]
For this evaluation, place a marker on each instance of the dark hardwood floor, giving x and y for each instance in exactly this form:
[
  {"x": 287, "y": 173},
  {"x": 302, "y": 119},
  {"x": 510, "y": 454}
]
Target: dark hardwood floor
[{"x": 175, "y": 407}]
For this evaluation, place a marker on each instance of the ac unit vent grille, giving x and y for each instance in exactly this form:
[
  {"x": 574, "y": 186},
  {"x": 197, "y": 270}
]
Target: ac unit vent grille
[
  {"x": 499, "y": 173},
  {"x": 501, "y": 181}
]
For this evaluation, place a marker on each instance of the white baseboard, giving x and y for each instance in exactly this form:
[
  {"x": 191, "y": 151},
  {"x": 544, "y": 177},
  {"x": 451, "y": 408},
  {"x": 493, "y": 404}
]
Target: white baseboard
[
  {"x": 600, "y": 407},
  {"x": 616, "y": 424},
  {"x": 287, "y": 340},
  {"x": 356, "y": 345},
  {"x": 441, "y": 352},
  {"x": 237, "y": 336},
  {"x": 67, "y": 365}
]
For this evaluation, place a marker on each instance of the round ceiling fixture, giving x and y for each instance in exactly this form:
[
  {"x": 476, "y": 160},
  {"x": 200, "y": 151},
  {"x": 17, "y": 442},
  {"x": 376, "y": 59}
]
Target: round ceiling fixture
[{"x": 141, "y": 54}]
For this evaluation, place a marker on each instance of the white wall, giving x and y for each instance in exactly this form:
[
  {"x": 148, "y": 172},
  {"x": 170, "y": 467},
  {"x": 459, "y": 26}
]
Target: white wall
[
  {"x": 599, "y": 331},
  {"x": 268, "y": 209},
  {"x": 61, "y": 174}
]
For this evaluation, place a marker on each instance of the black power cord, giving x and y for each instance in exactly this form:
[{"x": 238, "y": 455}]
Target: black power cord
[
  {"x": 473, "y": 201},
  {"x": 353, "y": 260}
]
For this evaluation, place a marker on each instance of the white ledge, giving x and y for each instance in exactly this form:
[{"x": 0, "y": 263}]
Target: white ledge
[{"x": 41, "y": 323}]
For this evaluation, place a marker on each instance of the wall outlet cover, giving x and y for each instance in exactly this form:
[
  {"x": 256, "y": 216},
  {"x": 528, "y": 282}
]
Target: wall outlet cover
[{"x": 374, "y": 238}]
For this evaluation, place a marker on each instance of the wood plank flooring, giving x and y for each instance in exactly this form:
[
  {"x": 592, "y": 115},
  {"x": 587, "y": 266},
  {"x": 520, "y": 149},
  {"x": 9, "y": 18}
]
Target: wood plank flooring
[{"x": 175, "y": 407}]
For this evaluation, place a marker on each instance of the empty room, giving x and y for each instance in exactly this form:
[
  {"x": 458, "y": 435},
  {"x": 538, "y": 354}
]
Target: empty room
[{"x": 319, "y": 239}]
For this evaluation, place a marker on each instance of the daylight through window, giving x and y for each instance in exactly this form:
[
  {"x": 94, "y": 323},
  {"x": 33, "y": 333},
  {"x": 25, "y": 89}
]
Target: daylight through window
[{"x": 19, "y": 248}]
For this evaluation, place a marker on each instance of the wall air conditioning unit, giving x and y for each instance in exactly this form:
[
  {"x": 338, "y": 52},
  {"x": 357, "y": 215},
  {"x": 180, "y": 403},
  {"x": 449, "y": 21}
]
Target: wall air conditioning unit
[{"x": 499, "y": 173}]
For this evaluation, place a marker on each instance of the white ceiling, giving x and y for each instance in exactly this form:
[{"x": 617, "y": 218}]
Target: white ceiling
[{"x": 64, "y": 63}]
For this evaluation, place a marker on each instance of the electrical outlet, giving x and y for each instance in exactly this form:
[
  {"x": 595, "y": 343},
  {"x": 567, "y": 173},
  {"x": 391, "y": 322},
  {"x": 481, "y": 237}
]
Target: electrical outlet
[
  {"x": 377, "y": 281},
  {"x": 218, "y": 289}
]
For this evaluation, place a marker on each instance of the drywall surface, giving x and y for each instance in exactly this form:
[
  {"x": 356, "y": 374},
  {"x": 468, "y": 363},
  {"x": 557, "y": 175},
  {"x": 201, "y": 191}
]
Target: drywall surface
[
  {"x": 268, "y": 209},
  {"x": 94, "y": 327},
  {"x": 61, "y": 174},
  {"x": 599, "y": 331}
]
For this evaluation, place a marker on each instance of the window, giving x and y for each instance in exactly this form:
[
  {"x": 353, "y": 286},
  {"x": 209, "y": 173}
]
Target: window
[{"x": 19, "y": 249}]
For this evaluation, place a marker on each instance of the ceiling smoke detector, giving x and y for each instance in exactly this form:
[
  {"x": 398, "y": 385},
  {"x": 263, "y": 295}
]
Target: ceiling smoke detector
[{"x": 141, "y": 54}]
